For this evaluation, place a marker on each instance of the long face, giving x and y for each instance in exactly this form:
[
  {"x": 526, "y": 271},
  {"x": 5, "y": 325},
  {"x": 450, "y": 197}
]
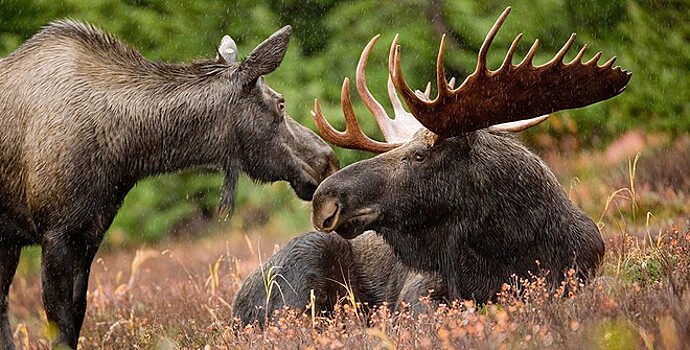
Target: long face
[
  {"x": 392, "y": 190},
  {"x": 427, "y": 183},
  {"x": 472, "y": 203},
  {"x": 272, "y": 146},
  {"x": 269, "y": 145}
]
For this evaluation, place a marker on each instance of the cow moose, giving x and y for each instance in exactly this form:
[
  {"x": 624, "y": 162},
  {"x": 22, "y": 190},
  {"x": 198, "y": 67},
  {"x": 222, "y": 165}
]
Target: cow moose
[
  {"x": 84, "y": 117},
  {"x": 462, "y": 204}
]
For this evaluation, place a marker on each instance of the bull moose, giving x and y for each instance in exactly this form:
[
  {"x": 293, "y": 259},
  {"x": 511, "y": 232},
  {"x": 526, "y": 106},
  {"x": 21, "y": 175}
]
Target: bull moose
[
  {"x": 84, "y": 117},
  {"x": 462, "y": 205}
]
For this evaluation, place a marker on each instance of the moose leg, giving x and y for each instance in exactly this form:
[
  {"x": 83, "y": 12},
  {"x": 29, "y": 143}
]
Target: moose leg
[
  {"x": 9, "y": 257},
  {"x": 57, "y": 278},
  {"x": 82, "y": 268}
]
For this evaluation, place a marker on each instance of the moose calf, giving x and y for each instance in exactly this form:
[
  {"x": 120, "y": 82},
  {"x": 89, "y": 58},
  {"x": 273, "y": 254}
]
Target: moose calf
[{"x": 332, "y": 267}]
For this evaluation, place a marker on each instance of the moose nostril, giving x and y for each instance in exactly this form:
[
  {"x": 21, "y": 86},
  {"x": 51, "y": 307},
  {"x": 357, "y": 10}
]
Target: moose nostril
[
  {"x": 326, "y": 215},
  {"x": 328, "y": 222}
]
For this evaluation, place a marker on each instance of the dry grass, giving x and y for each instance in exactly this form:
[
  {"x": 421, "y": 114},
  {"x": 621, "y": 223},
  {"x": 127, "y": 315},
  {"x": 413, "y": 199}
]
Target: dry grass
[
  {"x": 178, "y": 295},
  {"x": 171, "y": 301}
]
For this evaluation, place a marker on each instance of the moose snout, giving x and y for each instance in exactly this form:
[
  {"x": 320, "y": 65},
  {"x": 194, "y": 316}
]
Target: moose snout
[
  {"x": 326, "y": 165},
  {"x": 325, "y": 213}
]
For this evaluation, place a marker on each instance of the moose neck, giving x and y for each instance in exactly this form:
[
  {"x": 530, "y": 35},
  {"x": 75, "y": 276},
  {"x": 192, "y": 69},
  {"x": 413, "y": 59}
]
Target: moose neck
[
  {"x": 169, "y": 123},
  {"x": 423, "y": 249}
]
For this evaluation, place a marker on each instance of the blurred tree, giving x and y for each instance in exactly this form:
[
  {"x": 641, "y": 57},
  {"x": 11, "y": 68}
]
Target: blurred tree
[{"x": 651, "y": 38}]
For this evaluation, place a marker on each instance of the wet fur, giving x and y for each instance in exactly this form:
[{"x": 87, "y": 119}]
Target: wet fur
[
  {"x": 326, "y": 263},
  {"x": 476, "y": 210},
  {"x": 84, "y": 117}
]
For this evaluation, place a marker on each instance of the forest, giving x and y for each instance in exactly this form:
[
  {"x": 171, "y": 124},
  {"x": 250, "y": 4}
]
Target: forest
[{"x": 649, "y": 38}]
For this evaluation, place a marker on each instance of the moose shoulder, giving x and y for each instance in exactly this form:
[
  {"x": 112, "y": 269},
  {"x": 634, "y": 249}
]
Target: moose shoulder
[
  {"x": 458, "y": 198},
  {"x": 84, "y": 117}
]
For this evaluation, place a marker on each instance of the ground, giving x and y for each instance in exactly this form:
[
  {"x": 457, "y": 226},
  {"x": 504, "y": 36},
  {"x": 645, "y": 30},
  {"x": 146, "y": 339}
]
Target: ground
[{"x": 177, "y": 294}]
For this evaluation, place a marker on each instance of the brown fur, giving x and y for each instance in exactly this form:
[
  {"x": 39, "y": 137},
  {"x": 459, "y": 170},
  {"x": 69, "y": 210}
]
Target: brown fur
[
  {"x": 326, "y": 263},
  {"x": 84, "y": 117},
  {"x": 475, "y": 210}
]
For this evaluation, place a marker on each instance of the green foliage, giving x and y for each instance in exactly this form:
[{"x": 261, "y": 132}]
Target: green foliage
[
  {"x": 649, "y": 37},
  {"x": 160, "y": 203}
]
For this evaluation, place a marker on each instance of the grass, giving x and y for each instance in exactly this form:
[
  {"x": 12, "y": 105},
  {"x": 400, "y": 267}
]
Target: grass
[{"x": 175, "y": 295}]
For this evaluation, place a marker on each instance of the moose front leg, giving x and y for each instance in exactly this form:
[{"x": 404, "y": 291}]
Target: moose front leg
[
  {"x": 9, "y": 257},
  {"x": 57, "y": 279},
  {"x": 82, "y": 268}
]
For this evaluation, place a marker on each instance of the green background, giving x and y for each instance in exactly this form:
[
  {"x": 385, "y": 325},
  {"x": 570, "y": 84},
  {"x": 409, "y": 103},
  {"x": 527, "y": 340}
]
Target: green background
[{"x": 650, "y": 38}]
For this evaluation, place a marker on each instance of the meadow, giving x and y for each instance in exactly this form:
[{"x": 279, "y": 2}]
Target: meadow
[{"x": 177, "y": 294}]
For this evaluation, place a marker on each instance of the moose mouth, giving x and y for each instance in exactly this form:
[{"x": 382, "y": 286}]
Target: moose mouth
[
  {"x": 348, "y": 225},
  {"x": 304, "y": 189},
  {"x": 309, "y": 179}
]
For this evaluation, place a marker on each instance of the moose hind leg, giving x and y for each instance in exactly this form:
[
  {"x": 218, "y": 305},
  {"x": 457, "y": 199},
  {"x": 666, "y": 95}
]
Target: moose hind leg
[
  {"x": 57, "y": 279},
  {"x": 9, "y": 257}
]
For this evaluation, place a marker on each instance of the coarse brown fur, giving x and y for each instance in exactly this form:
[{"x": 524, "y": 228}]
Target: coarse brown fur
[
  {"x": 333, "y": 267},
  {"x": 476, "y": 210},
  {"x": 84, "y": 117}
]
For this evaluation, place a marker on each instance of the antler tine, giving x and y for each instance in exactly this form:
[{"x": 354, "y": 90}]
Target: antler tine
[
  {"x": 527, "y": 61},
  {"x": 508, "y": 60},
  {"x": 443, "y": 89},
  {"x": 397, "y": 77},
  {"x": 594, "y": 59},
  {"x": 369, "y": 101},
  {"x": 578, "y": 57},
  {"x": 404, "y": 124},
  {"x": 325, "y": 128},
  {"x": 402, "y": 127},
  {"x": 566, "y": 47},
  {"x": 484, "y": 49},
  {"x": 609, "y": 63},
  {"x": 519, "y": 125},
  {"x": 352, "y": 137}
]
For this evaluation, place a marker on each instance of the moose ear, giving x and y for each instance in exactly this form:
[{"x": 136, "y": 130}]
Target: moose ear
[
  {"x": 267, "y": 56},
  {"x": 227, "y": 50}
]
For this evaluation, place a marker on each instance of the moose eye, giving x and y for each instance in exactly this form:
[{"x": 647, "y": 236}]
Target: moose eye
[
  {"x": 418, "y": 157},
  {"x": 281, "y": 106}
]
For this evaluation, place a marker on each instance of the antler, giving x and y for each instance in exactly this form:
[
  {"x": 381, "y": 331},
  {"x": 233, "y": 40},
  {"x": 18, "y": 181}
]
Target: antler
[
  {"x": 395, "y": 131},
  {"x": 511, "y": 93},
  {"x": 353, "y": 137}
]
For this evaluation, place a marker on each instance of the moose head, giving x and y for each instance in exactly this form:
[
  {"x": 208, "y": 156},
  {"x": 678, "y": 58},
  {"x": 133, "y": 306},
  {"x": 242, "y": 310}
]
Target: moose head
[
  {"x": 269, "y": 145},
  {"x": 453, "y": 192}
]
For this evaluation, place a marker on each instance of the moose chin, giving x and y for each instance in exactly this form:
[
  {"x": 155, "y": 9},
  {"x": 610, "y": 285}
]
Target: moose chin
[
  {"x": 460, "y": 203},
  {"x": 84, "y": 117}
]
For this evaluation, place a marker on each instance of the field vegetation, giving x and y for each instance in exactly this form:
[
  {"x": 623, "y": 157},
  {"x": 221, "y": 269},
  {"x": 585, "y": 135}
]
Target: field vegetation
[{"x": 176, "y": 294}]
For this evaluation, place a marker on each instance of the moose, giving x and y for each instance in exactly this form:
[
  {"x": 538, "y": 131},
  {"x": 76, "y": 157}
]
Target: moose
[
  {"x": 84, "y": 117},
  {"x": 332, "y": 267},
  {"x": 462, "y": 206}
]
